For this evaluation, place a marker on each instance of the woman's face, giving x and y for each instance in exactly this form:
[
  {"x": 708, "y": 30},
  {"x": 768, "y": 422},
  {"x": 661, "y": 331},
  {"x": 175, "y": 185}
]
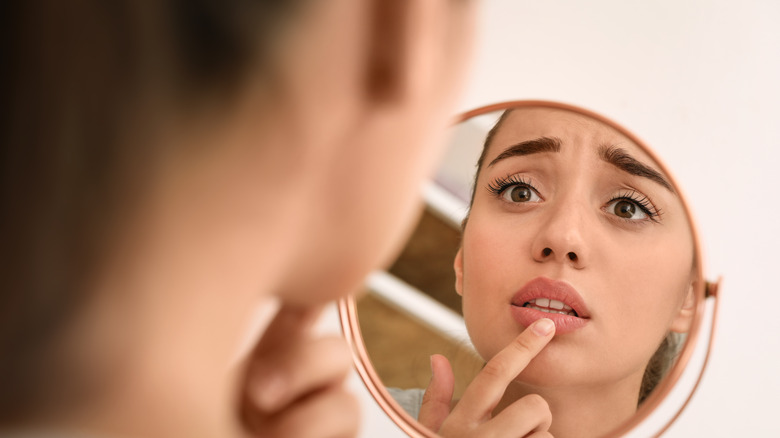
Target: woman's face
[{"x": 567, "y": 209}]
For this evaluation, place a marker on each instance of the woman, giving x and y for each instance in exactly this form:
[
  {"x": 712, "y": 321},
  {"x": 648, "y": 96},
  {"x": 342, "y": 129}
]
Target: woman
[
  {"x": 170, "y": 167},
  {"x": 571, "y": 225}
]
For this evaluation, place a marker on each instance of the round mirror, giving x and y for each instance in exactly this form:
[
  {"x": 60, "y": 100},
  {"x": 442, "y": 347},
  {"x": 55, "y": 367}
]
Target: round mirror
[{"x": 538, "y": 210}]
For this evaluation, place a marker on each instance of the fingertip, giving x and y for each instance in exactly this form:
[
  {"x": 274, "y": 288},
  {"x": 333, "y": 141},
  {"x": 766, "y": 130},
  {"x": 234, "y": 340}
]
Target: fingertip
[
  {"x": 437, "y": 362},
  {"x": 543, "y": 327},
  {"x": 441, "y": 371}
]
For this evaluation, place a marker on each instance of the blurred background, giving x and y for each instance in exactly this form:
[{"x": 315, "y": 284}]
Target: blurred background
[{"x": 698, "y": 81}]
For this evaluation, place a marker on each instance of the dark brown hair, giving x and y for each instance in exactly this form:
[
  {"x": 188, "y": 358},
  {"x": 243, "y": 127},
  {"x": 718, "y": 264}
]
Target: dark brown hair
[
  {"x": 664, "y": 357},
  {"x": 84, "y": 84}
]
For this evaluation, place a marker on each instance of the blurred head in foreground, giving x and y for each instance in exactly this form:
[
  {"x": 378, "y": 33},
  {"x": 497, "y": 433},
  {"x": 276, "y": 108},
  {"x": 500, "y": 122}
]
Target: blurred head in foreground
[{"x": 166, "y": 165}]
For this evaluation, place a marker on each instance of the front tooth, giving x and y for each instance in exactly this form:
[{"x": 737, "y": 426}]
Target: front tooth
[
  {"x": 555, "y": 304},
  {"x": 542, "y": 302}
]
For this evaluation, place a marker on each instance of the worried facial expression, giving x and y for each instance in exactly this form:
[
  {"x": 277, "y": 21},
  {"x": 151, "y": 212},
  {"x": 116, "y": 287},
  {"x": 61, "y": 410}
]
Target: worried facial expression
[{"x": 573, "y": 221}]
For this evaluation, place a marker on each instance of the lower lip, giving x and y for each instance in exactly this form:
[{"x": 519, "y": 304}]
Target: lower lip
[{"x": 526, "y": 316}]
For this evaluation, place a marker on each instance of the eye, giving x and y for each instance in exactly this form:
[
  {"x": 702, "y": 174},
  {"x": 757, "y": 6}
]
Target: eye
[
  {"x": 514, "y": 189},
  {"x": 520, "y": 193},
  {"x": 633, "y": 206},
  {"x": 627, "y": 209}
]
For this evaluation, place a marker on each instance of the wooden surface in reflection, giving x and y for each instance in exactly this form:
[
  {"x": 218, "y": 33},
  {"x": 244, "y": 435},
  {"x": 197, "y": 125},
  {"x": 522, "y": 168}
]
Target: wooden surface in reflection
[
  {"x": 400, "y": 347},
  {"x": 426, "y": 261}
]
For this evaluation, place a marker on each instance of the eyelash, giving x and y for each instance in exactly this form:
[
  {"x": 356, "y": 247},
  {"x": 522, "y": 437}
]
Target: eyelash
[
  {"x": 497, "y": 187},
  {"x": 641, "y": 201}
]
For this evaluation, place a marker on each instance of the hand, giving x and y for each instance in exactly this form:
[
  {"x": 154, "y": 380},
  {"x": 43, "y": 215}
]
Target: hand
[
  {"x": 294, "y": 382},
  {"x": 472, "y": 416}
]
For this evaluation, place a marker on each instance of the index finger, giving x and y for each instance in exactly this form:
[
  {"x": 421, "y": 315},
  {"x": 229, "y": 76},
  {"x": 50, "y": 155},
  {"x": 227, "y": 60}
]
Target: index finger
[{"x": 486, "y": 390}]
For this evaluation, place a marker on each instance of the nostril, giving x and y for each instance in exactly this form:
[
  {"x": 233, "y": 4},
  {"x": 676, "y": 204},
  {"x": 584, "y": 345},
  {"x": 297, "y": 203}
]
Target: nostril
[
  {"x": 572, "y": 256},
  {"x": 546, "y": 252}
]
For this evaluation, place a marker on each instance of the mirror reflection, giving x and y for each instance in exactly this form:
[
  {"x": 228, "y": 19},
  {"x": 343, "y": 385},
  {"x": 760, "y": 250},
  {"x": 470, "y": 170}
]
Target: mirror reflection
[{"x": 538, "y": 212}]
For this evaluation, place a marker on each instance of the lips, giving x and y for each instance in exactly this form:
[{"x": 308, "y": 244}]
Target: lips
[{"x": 553, "y": 299}]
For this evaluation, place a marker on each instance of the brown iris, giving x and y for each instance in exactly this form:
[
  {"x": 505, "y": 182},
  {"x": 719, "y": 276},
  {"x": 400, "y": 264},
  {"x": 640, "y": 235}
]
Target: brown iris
[
  {"x": 520, "y": 194},
  {"x": 625, "y": 209}
]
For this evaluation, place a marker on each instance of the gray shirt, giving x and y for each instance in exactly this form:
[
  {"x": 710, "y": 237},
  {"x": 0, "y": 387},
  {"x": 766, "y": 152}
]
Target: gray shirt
[{"x": 409, "y": 399}]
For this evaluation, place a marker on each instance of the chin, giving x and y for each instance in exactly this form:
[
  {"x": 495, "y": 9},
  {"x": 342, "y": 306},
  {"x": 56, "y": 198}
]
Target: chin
[
  {"x": 559, "y": 368},
  {"x": 545, "y": 376},
  {"x": 327, "y": 282}
]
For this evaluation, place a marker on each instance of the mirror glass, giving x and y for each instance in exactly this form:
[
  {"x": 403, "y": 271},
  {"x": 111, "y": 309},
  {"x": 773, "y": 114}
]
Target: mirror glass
[{"x": 539, "y": 210}]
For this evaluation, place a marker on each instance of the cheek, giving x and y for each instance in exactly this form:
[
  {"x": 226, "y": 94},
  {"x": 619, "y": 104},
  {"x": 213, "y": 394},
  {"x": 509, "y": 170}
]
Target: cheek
[
  {"x": 649, "y": 286},
  {"x": 495, "y": 266},
  {"x": 498, "y": 248},
  {"x": 370, "y": 196}
]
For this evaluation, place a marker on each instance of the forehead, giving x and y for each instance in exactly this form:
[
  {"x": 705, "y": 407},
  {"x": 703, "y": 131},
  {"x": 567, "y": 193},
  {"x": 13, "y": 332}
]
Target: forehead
[{"x": 576, "y": 131}]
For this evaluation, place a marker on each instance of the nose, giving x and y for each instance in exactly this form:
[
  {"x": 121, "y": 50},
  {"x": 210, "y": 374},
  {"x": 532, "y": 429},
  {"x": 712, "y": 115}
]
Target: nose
[{"x": 561, "y": 238}]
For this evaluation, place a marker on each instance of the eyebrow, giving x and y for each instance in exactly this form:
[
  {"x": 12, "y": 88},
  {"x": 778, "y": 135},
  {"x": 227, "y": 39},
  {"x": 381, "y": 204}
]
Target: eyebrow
[
  {"x": 535, "y": 146},
  {"x": 621, "y": 159}
]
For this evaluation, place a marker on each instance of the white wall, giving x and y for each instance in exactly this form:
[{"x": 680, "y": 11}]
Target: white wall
[{"x": 699, "y": 81}]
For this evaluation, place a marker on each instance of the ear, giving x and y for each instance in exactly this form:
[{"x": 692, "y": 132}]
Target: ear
[
  {"x": 388, "y": 49},
  {"x": 458, "y": 265},
  {"x": 416, "y": 47},
  {"x": 682, "y": 322}
]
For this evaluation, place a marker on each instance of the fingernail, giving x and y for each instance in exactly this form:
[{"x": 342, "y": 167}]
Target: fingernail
[
  {"x": 269, "y": 392},
  {"x": 543, "y": 327}
]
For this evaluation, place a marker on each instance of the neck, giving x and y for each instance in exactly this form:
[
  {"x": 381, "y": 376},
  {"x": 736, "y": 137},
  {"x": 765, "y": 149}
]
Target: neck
[{"x": 583, "y": 411}]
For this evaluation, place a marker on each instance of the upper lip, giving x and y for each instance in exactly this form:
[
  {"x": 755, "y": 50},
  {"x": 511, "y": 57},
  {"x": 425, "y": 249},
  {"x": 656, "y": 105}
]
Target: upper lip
[{"x": 542, "y": 287}]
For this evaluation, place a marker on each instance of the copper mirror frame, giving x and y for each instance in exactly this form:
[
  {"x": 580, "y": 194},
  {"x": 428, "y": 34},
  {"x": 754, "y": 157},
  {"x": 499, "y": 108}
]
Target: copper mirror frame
[{"x": 708, "y": 290}]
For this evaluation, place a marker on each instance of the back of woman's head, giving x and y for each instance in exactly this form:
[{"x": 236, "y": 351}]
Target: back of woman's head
[{"x": 87, "y": 87}]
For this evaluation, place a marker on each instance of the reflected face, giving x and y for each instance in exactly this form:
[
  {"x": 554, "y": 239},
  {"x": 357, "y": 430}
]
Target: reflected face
[{"x": 569, "y": 216}]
